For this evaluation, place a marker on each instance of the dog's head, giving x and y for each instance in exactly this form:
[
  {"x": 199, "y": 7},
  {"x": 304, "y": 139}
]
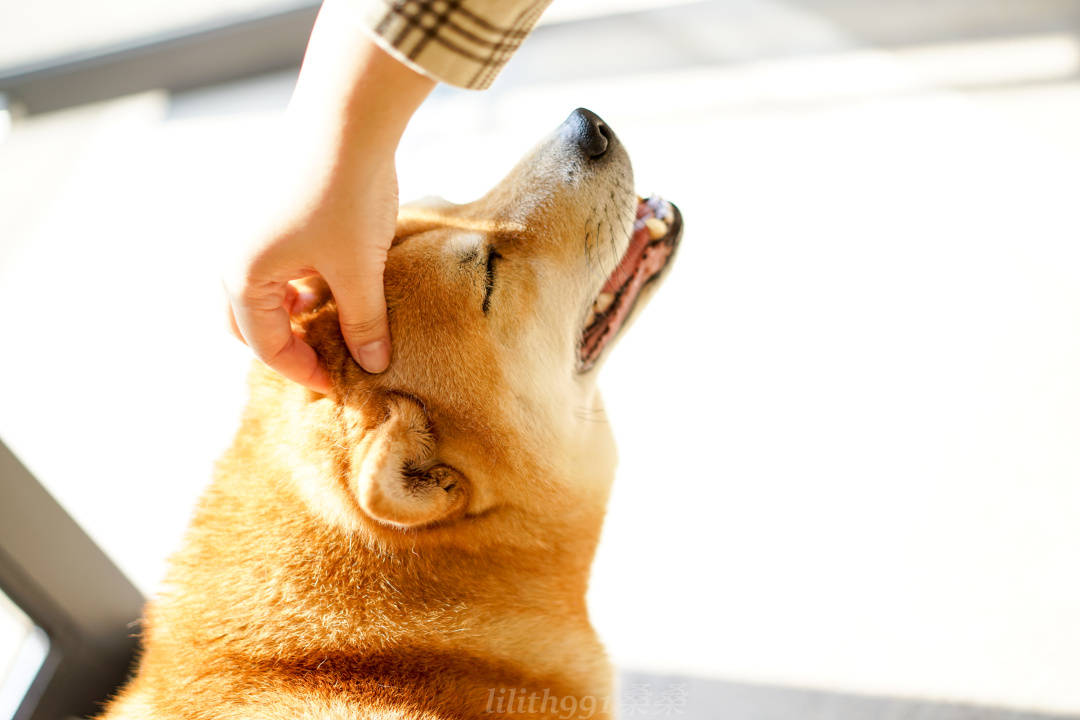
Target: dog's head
[{"x": 501, "y": 311}]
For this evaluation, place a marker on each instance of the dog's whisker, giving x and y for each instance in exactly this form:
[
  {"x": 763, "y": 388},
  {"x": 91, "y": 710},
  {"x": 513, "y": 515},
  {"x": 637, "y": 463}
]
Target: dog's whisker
[
  {"x": 600, "y": 236},
  {"x": 588, "y": 243},
  {"x": 616, "y": 260},
  {"x": 596, "y": 243},
  {"x": 614, "y": 246}
]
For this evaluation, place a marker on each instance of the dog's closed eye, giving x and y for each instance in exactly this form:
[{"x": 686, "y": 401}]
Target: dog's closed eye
[{"x": 489, "y": 278}]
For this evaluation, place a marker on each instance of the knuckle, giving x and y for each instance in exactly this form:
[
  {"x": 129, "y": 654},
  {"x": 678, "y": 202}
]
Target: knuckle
[
  {"x": 274, "y": 357},
  {"x": 366, "y": 326}
]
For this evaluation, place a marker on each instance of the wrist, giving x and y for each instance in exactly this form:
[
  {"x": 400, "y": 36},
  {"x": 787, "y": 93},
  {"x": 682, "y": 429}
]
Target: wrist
[{"x": 387, "y": 92}]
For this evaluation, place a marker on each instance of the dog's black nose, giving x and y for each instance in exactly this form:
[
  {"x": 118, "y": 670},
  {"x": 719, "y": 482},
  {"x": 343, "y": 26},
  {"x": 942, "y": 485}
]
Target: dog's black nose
[{"x": 590, "y": 133}]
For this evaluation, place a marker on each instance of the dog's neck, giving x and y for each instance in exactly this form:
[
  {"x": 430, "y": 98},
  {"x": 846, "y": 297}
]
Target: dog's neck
[{"x": 304, "y": 588}]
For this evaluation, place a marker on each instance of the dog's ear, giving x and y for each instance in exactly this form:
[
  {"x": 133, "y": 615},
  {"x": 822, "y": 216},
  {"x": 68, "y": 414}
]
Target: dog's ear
[{"x": 394, "y": 476}]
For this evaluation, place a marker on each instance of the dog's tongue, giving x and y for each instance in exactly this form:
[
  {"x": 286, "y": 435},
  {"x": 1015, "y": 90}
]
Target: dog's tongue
[
  {"x": 636, "y": 259},
  {"x": 629, "y": 263},
  {"x": 644, "y": 258}
]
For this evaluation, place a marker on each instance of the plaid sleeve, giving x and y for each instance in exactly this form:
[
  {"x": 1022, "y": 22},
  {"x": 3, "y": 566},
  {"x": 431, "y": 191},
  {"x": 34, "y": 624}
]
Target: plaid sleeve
[{"x": 460, "y": 42}]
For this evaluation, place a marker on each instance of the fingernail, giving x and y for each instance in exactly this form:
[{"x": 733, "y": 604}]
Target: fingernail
[{"x": 375, "y": 356}]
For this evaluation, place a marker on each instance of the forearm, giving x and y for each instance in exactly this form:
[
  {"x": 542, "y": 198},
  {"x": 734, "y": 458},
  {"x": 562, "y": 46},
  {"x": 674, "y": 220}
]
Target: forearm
[{"x": 351, "y": 95}]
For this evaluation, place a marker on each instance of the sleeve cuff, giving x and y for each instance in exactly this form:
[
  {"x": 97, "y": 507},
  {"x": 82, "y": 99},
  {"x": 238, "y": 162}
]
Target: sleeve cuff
[{"x": 461, "y": 44}]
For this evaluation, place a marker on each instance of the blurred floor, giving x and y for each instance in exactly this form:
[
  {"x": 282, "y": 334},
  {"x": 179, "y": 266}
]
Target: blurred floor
[
  {"x": 848, "y": 423},
  {"x": 656, "y": 697}
]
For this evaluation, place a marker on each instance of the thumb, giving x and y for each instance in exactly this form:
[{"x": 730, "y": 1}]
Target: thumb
[{"x": 362, "y": 313}]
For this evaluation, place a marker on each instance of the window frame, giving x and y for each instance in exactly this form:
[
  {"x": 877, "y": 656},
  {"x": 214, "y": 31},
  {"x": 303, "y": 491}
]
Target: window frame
[{"x": 68, "y": 587}]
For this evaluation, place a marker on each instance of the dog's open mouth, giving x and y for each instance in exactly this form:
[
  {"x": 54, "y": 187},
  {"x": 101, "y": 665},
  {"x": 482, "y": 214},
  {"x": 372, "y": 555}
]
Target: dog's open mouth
[{"x": 652, "y": 245}]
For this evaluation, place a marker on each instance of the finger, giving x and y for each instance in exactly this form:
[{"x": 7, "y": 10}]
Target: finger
[
  {"x": 362, "y": 314},
  {"x": 264, "y": 324}
]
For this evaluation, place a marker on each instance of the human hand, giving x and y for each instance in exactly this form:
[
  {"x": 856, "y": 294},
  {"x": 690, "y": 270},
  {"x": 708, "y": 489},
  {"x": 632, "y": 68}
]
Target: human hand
[
  {"x": 341, "y": 233},
  {"x": 337, "y": 203}
]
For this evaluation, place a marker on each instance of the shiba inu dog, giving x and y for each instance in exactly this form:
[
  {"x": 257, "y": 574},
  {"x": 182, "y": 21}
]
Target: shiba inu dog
[{"x": 417, "y": 544}]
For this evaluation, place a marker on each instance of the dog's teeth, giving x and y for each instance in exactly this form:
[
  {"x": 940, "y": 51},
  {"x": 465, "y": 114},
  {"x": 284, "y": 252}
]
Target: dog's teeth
[
  {"x": 603, "y": 302},
  {"x": 657, "y": 228},
  {"x": 591, "y": 318}
]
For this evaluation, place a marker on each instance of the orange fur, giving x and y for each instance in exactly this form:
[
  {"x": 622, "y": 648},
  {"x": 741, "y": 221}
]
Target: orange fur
[{"x": 415, "y": 540}]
